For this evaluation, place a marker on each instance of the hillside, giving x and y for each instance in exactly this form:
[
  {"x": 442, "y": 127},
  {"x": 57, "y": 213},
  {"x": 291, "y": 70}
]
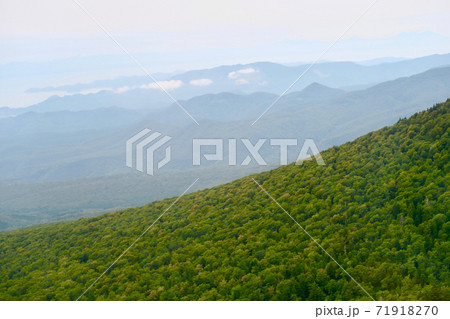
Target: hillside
[
  {"x": 51, "y": 170},
  {"x": 379, "y": 207}
]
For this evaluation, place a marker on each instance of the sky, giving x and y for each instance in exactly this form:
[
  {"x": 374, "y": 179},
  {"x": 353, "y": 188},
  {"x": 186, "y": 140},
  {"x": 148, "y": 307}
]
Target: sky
[
  {"x": 50, "y": 29},
  {"x": 54, "y": 42}
]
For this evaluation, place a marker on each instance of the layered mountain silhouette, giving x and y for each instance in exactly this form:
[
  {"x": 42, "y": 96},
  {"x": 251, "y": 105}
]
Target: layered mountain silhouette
[
  {"x": 80, "y": 153},
  {"x": 128, "y": 92}
]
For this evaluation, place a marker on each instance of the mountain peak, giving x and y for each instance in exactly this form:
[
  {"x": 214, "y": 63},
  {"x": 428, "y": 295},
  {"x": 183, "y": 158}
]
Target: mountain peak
[{"x": 317, "y": 90}]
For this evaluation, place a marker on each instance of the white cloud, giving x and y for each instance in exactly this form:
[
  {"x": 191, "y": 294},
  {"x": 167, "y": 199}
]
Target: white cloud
[
  {"x": 122, "y": 89},
  {"x": 241, "y": 81},
  {"x": 90, "y": 91},
  {"x": 238, "y": 73},
  {"x": 233, "y": 75},
  {"x": 201, "y": 82},
  {"x": 321, "y": 74},
  {"x": 247, "y": 71},
  {"x": 83, "y": 92},
  {"x": 166, "y": 85}
]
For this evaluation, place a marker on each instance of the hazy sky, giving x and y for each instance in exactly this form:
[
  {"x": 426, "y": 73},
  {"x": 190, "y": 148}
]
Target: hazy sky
[
  {"x": 58, "y": 28},
  {"x": 175, "y": 35}
]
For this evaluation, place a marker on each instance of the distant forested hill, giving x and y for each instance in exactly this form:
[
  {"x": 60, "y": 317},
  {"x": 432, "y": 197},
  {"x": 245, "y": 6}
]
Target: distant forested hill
[{"x": 380, "y": 207}]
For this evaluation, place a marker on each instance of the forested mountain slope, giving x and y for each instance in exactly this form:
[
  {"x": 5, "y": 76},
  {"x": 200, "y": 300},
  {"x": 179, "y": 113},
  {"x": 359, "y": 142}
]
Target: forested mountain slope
[{"x": 380, "y": 207}]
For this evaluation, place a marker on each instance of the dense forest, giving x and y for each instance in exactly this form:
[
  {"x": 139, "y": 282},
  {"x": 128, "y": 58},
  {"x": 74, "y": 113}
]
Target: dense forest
[{"x": 380, "y": 207}]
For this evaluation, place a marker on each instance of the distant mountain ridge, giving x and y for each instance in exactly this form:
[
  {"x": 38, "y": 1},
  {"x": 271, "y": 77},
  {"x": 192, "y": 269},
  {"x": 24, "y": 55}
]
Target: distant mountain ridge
[
  {"x": 240, "y": 79},
  {"x": 233, "y": 107},
  {"x": 330, "y": 120},
  {"x": 68, "y": 121},
  {"x": 315, "y": 90}
]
